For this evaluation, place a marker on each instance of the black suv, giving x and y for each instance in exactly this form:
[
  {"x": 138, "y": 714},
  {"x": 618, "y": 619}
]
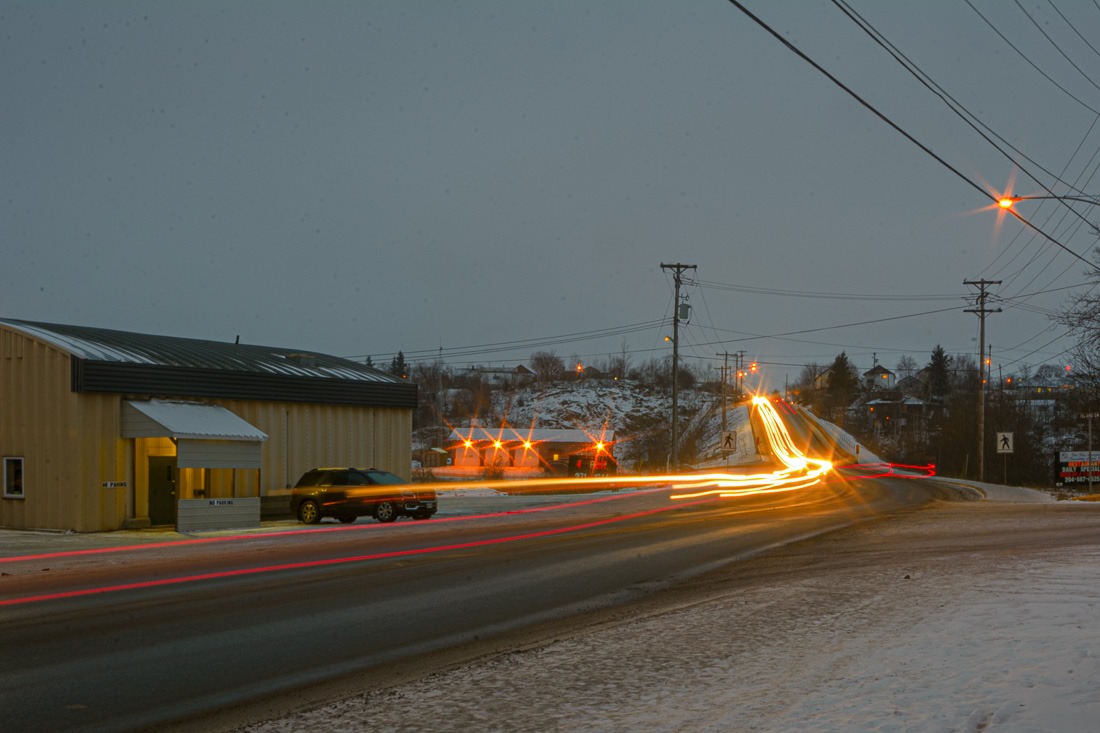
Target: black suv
[{"x": 347, "y": 493}]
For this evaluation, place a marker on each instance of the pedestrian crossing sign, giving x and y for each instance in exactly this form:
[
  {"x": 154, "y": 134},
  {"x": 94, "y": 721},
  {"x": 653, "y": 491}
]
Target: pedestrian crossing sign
[{"x": 1004, "y": 442}]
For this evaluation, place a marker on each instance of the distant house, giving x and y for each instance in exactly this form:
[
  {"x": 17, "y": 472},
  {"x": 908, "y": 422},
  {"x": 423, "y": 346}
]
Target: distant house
[
  {"x": 503, "y": 376},
  {"x": 1048, "y": 382},
  {"x": 912, "y": 384},
  {"x": 895, "y": 411},
  {"x": 590, "y": 372},
  {"x": 879, "y": 377},
  {"x": 523, "y": 451}
]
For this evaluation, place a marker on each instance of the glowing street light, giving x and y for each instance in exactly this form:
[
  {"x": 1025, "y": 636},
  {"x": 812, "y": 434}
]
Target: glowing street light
[
  {"x": 1007, "y": 205},
  {"x": 1008, "y": 202}
]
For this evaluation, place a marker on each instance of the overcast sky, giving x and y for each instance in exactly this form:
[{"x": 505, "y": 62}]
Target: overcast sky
[{"x": 361, "y": 177}]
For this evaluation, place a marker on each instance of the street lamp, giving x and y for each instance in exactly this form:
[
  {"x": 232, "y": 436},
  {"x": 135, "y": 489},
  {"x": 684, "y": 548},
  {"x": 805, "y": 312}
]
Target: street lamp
[
  {"x": 1008, "y": 202},
  {"x": 1007, "y": 205}
]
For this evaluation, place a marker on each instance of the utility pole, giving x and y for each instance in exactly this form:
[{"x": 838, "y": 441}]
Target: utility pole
[
  {"x": 1088, "y": 463},
  {"x": 1091, "y": 415},
  {"x": 677, "y": 278},
  {"x": 725, "y": 377},
  {"x": 740, "y": 373},
  {"x": 981, "y": 310}
]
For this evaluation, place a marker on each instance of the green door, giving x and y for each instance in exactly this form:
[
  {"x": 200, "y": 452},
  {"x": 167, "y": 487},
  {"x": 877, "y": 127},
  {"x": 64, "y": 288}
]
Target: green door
[{"x": 162, "y": 490}]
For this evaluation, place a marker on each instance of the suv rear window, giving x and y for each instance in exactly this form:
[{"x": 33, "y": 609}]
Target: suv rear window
[
  {"x": 384, "y": 477},
  {"x": 319, "y": 478}
]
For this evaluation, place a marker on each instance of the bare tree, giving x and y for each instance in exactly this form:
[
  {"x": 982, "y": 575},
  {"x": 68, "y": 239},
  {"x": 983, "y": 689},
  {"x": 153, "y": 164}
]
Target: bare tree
[
  {"x": 617, "y": 365},
  {"x": 653, "y": 372},
  {"x": 1083, "y": 314},
  {"x": 907, "y": 366},
  {"x": 547, "y": 366},
  {"x": 807, "y": 378}
]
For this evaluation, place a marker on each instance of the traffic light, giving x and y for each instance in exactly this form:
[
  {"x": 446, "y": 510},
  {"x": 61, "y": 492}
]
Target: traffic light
[{"x": 753, "y": 368}]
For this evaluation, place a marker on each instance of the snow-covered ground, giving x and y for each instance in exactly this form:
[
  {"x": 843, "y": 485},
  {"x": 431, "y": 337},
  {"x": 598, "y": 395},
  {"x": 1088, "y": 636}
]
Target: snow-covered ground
[{"x": 968, "y": 616}]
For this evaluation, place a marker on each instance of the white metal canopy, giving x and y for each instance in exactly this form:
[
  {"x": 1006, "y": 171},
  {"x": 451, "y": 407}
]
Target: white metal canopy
[{"x": 207, "y": 436}]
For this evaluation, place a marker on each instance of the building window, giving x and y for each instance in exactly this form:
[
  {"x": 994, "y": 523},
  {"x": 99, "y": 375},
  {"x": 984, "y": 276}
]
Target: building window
[{"x": 13, "y": 478}]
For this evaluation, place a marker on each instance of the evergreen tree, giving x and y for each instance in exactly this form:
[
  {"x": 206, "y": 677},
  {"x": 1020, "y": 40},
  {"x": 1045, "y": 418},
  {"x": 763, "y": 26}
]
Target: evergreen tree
[
  {"x": 841, "y": 387},
  {"x": 397, "y": 366},
  {"x": 939, "y": 374}
]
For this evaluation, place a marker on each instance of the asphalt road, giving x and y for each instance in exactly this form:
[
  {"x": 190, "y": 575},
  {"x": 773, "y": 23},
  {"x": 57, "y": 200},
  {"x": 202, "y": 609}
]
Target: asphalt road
[{"x": 140, "y": 637}]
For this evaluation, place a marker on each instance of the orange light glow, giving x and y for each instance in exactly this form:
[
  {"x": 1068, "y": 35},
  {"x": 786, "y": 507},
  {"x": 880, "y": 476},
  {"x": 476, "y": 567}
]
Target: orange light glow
[
  {"x": 798, "y": 472},
  {"x": 1006, "y": 202},
  {"x": 497, "y": 444},
  {"x": 468, "y": 443}
]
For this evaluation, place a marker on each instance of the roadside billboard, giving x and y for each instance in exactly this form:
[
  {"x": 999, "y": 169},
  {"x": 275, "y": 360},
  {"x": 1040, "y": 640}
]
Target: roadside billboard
[{"x": 1073, "y": 467}]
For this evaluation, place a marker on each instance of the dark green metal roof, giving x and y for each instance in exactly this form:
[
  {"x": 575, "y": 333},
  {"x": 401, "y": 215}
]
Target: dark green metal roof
[{"x": 106, "y": 360}]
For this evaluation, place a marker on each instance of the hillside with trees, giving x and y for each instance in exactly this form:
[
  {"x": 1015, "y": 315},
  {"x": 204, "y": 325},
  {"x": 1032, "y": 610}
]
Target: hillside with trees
[{"x": 928, "y": 415}]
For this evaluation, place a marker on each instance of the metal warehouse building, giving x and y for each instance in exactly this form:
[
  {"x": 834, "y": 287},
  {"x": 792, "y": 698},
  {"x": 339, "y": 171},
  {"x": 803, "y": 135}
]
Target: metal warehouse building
[{"x": 103, "y": 430}]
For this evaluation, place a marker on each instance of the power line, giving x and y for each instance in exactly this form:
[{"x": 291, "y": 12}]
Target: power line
[
  {"x": 755, "y": 290},
  {"x": 516, "y": 345},
  {"x": 1073, "y": 27},
  {"x": 1056, "y": 46},
  {"x": 953, "y": 104},
  {"x": 871, "y": 108},
  {"x": 1030, "y": 62}
]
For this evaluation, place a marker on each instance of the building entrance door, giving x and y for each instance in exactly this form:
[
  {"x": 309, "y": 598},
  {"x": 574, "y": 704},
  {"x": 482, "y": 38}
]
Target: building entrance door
[{"x": 162, "y": 490}]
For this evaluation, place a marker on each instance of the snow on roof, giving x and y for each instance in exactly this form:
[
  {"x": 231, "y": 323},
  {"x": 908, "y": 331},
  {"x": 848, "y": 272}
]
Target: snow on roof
[
  {"x": 535, "y": 435},
  {"x": 196, "y": 420},
  {"x": 108, "y": 345}
]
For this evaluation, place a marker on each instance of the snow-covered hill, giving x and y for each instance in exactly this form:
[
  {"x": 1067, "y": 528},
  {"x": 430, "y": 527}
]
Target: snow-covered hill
[
  {"x": 588, "y": 405},
  {"x": 640, "y": 418}
]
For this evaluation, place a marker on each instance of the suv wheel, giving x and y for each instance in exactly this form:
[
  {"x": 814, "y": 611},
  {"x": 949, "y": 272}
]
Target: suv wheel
[
  {"x": 309, "y": 513},
  {"x": 385, "y": 511}
]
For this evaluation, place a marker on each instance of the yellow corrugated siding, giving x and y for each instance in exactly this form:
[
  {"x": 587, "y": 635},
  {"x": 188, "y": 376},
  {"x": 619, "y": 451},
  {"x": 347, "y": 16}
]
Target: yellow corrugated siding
[
  {"x": 65, "y": 440},
  {"x": 71, "y": 443},
  {"x": 304, "y": 436}
]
